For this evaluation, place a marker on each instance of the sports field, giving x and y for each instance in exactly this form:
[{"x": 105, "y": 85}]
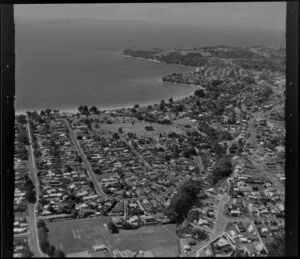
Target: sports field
[
  {"x": 138, "y": 128},
  {"x": 81, "y": 235}
]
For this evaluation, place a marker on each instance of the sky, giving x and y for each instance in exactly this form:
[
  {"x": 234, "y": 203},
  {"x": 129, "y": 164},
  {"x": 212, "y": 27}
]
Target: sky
[{"x": 263, "y": 15}]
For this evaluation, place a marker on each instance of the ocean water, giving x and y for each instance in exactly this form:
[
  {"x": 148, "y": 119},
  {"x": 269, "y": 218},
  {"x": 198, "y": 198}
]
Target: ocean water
[{"x": 63, "y": 64}]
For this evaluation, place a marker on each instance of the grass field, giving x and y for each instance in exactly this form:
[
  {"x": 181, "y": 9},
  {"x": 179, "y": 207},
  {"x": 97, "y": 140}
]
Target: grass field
[
  {"x": 138, "y": 128},
  {"x": 81, "y": 235}
]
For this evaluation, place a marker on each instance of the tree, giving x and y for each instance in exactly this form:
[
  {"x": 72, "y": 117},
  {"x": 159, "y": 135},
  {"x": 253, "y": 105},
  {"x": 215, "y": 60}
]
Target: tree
[
  {"x": 199, "y": 234},
  {"x": 28, "y": 254},
  {"x": 180, "y": 205},
  {"x": 97, "y": 171},
  {"x": 133, "y": 110},
  {"x": 48, "y": 111},
  {"x": 21, "y": 119},
  {"x": 50, "y": 250},
  {"x": 222, "y": 170},
  {"x": 88, "y": 123},
  {"x": 91, "y": 184},
  {"x": 241, "y": 253},
  {"x": 233, "y": 148},
  {"x": 85, "y": 110},
  {"x": 162, "y": 104},
  {"x": 219, "y": 149},
  {"x": 266, "y": 92},
  {"x": 171, "y": 101},
  {"x": 180, "y": 107},
  {"x": 35, "y": 115},
  {"x": 136, "y": 106},
  {"x": 42, "y": 113},
  {"x": 30, "y": 196},
  {"x": 126, "y": 225},
  {"x": 200, "y": 93},
  {"x": 44, "y": 245},
  {"x": 216, "y": 82},
  {"x": 41, "y": 224},
  {"x": 193, "y": 215},
  {"x": 23, "y": 137},
  {"x": 59, "y": 253},
  {"x": 116, "y": 135},
  {"x": 112, "y": 227},
  {"x": 78, "y": 159},
  {"x": 249, "y": 80},
  {"x": 192, "y": 188},
  {"x": 94, "y": 110},
  {"x": 80, "y": 109},
  {"x": 28, "y": 113},
  {"x": 276, "y": 247}
]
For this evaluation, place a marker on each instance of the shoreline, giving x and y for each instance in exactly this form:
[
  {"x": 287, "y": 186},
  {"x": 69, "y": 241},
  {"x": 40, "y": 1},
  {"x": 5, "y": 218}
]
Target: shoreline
[
  {"x": 157, "y": 61},
  {"x": 114, "y": 108}
]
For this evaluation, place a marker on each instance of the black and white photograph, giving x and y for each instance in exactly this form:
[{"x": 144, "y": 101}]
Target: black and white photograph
[{"x": 150, "y": 130}]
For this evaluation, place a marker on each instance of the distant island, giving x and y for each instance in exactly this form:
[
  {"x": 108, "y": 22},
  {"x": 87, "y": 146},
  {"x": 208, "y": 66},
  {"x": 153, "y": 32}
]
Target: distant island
[{"x": 237, "y": 59}]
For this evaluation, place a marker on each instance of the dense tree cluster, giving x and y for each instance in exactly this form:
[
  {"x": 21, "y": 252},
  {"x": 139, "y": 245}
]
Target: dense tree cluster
[
  {"x": 199, "y": 234},
  {"x": 276, "y": 247},
  {"x": 183, "y": 200},
  {"x": 112, "y": 227},
  {"x": 21, "y": 119},
  {"x": 214, "y": 135},
  {"x": 85, "y": 110},
  {"x": 22, "y": 136},
  {"x": 222, "y": 169},
  {"x": 172, "y": 57},
  {"x": 28, "y": 187},
  {"x": 200, "y": 93},
  {"x": 45, "y": 245}
]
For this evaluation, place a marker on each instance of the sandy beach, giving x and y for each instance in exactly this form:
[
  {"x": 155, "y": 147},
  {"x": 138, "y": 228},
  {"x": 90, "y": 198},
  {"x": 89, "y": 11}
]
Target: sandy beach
[{"x": 74, "y": 110}]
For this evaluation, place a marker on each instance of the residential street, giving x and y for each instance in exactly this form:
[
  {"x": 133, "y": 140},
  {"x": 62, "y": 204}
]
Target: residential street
[
  {"x": 32, "y": 218},
  {"x": 86, "y": 162},
  {"x": 221, "y": 220}
]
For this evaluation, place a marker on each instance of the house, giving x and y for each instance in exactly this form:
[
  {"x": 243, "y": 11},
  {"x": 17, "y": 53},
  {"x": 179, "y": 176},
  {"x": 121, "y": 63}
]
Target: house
[
  {"x": 222, "y": 242},
  {"x": 117, "y": 221},
  {"x": 232, "y": 233},
  {"x": 133, "y": 220},
  {"x": 184, "y": 246},
  {"x": 235, "y": 213},
  {"x": 250, "y": 228},
  {"x": 241, "y": 227},
  {"x": 148, "y": 219},
  {"x": 259, "y": 248},
  {"x": 244, "y": 240}
]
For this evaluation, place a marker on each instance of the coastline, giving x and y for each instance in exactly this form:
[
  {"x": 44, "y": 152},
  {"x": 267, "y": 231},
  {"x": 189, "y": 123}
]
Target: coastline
[
  {"x": 114, "y": 108},
  {"x": 157, "y": 61},
  {"x": 73, "y": 110}
]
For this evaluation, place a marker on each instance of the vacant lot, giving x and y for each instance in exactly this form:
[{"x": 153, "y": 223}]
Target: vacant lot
[{"x": 80, "y": 235}]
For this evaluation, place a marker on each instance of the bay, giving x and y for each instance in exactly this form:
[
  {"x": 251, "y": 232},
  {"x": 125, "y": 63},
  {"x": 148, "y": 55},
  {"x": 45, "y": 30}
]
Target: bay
[{"x": 66, "y": 63}]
